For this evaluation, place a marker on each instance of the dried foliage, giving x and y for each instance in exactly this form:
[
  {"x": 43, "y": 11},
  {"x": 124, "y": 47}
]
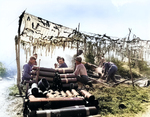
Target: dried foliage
[{"x": 39, "y": 33}]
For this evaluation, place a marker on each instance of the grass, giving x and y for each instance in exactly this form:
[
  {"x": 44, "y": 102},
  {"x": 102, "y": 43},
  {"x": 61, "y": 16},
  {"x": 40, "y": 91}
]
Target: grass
[
  {"x": 13, "y": 90},
  {"x": 139, "y": 68},
  {"x": 121, "y": 101}
]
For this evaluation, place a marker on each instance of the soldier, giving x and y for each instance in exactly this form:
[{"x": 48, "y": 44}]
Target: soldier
[
  {"x": 109, "y": 71},
  {"x": 80, "y": 71},
  {"x": 27, "y": 69},
  {"x": 62, "y": 63},
  {"x": 56, "y": 64}
]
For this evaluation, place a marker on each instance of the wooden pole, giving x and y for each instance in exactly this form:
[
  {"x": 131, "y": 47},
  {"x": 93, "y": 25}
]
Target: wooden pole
[
  {"x": 17, "y": 48},
  {"x": 129, "y": 58},
  {"x": 77, "y": 39},
  {"x": 19, "y": 74},
  {"x": 38, "y": 70},
  {"x": 18, "y": 54}
]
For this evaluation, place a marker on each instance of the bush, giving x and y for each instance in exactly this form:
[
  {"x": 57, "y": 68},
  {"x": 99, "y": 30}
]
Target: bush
[
  {"x": 124, "y": 70},
  {"x": 2, "y": 69},
  {"x": 142, "y": 65},
  {"x": 89, "y": 58},
  {"x": 13, "y": 90}
]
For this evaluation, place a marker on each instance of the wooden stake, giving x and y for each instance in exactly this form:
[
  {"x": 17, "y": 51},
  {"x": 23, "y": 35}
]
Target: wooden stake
[
  {"x": 17, "y": 48},
  {"x": 129, "y": 58},
  {"x": 77, "y": 40}
]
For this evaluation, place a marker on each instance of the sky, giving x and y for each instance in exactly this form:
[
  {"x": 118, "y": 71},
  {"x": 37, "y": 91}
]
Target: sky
[{"x": 110, "y": 17}]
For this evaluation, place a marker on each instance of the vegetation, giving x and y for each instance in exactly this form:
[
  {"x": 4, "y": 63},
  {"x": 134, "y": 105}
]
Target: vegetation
[
  {"x": 120, "y": 100},
  {"x": 2, "y": 69},
  {"x": 13, "y": 90},
  {"x": 139, "y": 68},
  {"x": 89, "y": 58}
]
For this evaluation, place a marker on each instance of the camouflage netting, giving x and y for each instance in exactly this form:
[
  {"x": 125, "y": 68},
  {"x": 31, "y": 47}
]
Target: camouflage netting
[{"x": 37, "y": 33}]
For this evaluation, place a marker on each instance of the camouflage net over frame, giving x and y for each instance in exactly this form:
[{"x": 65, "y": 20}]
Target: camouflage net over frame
[{"x": 38, "y": 34}]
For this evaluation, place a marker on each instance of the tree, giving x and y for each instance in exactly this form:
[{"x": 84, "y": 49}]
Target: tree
[{"x": 2, "y": 69}]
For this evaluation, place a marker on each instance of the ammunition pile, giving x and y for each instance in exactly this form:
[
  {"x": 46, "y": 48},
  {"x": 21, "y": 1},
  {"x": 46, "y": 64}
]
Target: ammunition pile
[
  {"x": 91, "y": 70},
  {"x": 59, "y": 78},
  {"x": 55, "y": 93}
]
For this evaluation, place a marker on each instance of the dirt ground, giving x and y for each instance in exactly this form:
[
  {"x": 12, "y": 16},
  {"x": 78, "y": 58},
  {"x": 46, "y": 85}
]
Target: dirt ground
[
  {"x": 10, "y": 106},
  {"x": 15, "y": 107}
]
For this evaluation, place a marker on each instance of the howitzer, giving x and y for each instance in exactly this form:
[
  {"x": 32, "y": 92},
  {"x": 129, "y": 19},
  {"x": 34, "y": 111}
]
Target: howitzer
[{"x": 66, "y": 112}]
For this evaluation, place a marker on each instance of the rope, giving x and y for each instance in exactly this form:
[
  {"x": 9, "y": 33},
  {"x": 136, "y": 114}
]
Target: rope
[
  {"x": 12, "y": 22},
  {"x": 10, "y": 63}
]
